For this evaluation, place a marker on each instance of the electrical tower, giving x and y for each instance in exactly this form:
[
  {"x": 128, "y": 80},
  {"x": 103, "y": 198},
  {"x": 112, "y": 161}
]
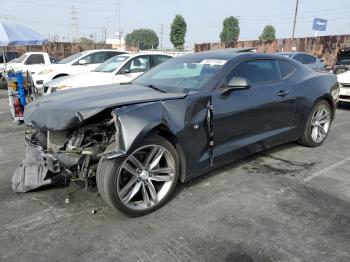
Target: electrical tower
[
  {"x": 119, "y": 32},
  {"x": 75, "y": 24}
]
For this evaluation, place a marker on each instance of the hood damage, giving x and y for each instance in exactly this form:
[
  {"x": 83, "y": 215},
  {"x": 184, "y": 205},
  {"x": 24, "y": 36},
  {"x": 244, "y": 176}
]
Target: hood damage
[
  {"x": 52, "y": 150},
  {"x": 71, "y": 108}
]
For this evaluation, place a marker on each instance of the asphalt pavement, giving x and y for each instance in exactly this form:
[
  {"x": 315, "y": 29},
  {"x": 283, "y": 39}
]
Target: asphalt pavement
[{"x": 290, "y": 203}]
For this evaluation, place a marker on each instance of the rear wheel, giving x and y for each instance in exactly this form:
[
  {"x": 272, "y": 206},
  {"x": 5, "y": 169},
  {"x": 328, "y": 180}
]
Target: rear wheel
[
  {"x": 318, "y": 125},
  {"x": 141, "y": 182}
]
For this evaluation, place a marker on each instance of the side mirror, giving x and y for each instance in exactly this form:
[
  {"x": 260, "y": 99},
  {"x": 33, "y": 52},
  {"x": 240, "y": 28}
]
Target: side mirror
[
  {"x": 82, "y": 62},
  {"x": 124, "y": 71},
  {"x": 236, "y": 83}
]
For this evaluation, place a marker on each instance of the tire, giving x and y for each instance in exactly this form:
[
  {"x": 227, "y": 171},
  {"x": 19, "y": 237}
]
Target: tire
[
  {"x": 111, "y": 175},
  {"x": 307, "y": 137}
]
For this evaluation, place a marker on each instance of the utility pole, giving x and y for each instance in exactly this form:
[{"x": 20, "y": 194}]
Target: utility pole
[
  {"x": 295, "y": 17},
  {"x": 161, "y": 36}
]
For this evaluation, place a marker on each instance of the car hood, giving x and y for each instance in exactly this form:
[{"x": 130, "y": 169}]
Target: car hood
[
  {"x": 344, "y": 77},
  {"x": 71, "y": 108},
  {"x": 83, "y": 79}
]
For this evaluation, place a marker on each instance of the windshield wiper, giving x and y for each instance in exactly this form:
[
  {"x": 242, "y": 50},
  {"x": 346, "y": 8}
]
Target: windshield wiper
[{"x": 156, "y": 88}]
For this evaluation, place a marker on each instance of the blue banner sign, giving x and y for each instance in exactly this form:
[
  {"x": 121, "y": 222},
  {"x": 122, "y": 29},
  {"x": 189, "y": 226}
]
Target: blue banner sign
[{"x": 319, "y": 24}]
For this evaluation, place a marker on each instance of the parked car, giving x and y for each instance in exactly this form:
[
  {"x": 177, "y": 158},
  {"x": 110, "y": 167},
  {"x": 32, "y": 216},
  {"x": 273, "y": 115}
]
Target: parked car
[
  {"x": 119, "y": 69},
  {"x": 177, "y": 121},
  {"x": 344, "y": 83},
  {"x": 29, "y": 61},
  {"x": 343, "y": 61},
  {"x": 9, "y": 56},
  {"x": 74, "y": 64},
  {"x": 310, "y": 61}
]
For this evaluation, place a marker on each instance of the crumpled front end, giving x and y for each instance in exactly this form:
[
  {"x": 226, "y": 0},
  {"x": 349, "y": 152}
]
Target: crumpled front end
[
  {"x": 72, "y": 153},
  {"x": 33, "y": 171}
]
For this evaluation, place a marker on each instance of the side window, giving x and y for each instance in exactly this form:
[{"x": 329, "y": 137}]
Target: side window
[
  {"x": 308, "y": 59},
  {"x": 257, "y": 71},
  {"x": 95, "y": 58},
  {"x": 138, "y": 64},
  {"x": 286, "y": 68},
  {"x": 299, "y": 58},
  {"x": 35, "y": 59},
  {"x": 98, "y": 57},
  {"x": 112, "y": 54},
  {"x": 158, "y": 59}
]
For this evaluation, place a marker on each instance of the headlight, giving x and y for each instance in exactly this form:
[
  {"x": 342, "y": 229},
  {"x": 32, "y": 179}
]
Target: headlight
[{"x": 44, "y": 72}]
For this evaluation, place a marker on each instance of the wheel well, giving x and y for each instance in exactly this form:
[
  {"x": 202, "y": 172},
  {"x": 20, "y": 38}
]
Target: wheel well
[
  {"x": 164, "y": 132},
  {"x": 329, "y": 101},
  {"x": 60, "y": 75}
]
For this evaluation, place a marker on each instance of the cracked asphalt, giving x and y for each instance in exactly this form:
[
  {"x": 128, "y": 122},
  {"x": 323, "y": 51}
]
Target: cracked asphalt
[{"x": 290, "y": 203}]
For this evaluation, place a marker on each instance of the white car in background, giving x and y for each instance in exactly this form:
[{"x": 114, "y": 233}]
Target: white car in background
[
  {"x": 119, "y": 69},
  {"x": 78, "y": 63},
  {"x": 29, "y": 61},
  {"x": 344, "y": 83}
]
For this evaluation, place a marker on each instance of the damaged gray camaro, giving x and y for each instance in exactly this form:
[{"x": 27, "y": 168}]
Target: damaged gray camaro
[{"x": 175, "y": 122}]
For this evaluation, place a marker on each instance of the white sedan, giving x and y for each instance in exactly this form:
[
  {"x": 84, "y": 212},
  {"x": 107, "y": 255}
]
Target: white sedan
[
  {"x": 344, "y": 83},
  {"x": 78, "y": 63},
  {"x": 119, "y": 69}
]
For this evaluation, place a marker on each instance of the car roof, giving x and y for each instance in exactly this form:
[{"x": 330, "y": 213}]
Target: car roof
[
  {"x": 31, "y": 53},
  {"x": 108, "y": 50},
  {"x": 147, "y": 53},
  {"x": 293, "y": 53},
  {"x": 228, "y": 55}
]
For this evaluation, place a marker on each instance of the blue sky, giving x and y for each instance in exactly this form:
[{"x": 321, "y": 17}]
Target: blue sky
[{"x": 204, "y": 18}]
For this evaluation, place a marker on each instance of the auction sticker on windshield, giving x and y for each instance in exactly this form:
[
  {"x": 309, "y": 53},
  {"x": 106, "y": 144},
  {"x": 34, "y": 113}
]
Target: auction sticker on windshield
[{"x": 213, "y": 62}]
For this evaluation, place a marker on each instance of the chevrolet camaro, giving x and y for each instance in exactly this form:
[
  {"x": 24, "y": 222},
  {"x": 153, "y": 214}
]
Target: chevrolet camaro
[{"x": 176, "y": 122}]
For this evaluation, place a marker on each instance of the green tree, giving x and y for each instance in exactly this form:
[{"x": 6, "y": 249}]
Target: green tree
[
  {"x": 230, "y": 30},
  {"x": 178, "y": 32},
  {"x": 85, "y": 40},
  {"x": 142, "y": 38},
  {"x": 268, "y": 34}
]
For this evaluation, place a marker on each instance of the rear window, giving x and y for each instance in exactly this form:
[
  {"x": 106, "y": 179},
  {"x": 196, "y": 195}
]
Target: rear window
[{"x": 286, "y": 68}]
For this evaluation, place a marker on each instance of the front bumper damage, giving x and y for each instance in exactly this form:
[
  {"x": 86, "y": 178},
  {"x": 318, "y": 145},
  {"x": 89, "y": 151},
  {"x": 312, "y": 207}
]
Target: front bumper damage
[
  {"x": 33, "y": 171},
  {"x": 53, "y": 155}
]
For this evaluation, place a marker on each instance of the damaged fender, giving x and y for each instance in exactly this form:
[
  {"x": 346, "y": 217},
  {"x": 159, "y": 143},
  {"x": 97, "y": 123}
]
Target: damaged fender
[{"x": 189, "y": 121}]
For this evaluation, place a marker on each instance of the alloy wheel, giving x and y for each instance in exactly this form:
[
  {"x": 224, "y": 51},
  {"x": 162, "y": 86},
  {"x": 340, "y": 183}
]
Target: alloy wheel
[
  {"x": 146, "y": 177},
  {"x": 320, "y": 123}
]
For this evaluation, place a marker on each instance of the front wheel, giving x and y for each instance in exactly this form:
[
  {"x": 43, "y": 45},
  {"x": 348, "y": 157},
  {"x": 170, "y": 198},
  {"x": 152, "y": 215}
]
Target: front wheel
[
  {"x": 318, "y": 125},
  {"x": 141, "y": 182}
]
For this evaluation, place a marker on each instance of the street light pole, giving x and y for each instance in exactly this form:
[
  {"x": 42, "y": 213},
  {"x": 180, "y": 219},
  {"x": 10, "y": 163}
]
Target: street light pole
[{"x": 295, "y": 17}]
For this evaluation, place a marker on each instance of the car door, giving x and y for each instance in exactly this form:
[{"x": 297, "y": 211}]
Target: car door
[
  {"x": 32, "y": 61},
  {"x": 132, "y": 69},
  {"x": 249, "y": 120}
]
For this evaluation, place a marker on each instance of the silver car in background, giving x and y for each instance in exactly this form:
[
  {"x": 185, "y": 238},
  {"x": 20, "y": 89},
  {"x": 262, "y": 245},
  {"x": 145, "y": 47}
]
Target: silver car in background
[{"x": 310, "y": 61}]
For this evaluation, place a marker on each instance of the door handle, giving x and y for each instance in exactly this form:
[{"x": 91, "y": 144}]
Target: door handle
[{"x": 283, "y": 93}]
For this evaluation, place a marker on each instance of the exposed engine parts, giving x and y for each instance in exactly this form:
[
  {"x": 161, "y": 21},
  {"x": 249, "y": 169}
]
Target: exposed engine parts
[{"x": 74, "y": 154}]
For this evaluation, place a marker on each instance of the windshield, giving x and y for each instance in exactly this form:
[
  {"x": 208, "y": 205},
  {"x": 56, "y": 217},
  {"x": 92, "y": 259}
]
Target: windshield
[
  {"x": 181, "y": 74},
  {"x": 20, "y": 59},
  {"x": 344, "y": 61},
  {"x": 71, "y": 58},
  {"x": 111, "y": 64}
]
